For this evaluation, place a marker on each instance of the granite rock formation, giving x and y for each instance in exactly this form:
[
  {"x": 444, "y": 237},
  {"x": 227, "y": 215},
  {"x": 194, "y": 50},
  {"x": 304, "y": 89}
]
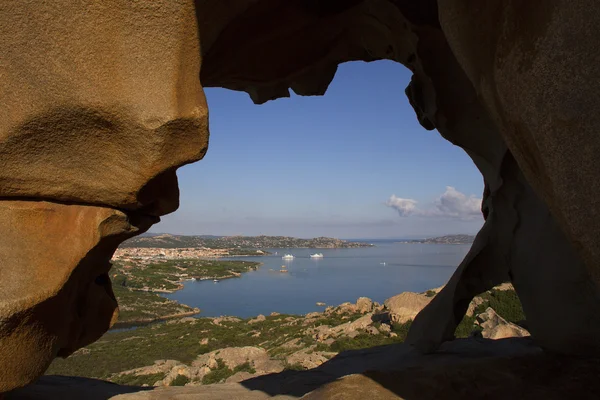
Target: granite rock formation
[{"x": 103, "y": 101}]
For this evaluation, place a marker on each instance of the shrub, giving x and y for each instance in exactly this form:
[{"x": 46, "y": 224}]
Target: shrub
[
  {"x": 217, "y": 375},
  {"x": 180, "y": 380},
  {"x": 138, "y": 380},
  {"x": 245, "y": 367}
]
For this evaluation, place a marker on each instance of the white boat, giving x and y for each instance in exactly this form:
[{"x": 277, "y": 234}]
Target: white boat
[
  {"x": 316, "y": 255},
  {"x": 215, "y": 280},
  {"x": 288, "y": 257}
]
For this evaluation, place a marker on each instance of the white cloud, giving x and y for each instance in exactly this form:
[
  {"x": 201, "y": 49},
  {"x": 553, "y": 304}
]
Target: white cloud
[
  {"x": 405, "y": 207},
  {"x": 451, "y": 204}
]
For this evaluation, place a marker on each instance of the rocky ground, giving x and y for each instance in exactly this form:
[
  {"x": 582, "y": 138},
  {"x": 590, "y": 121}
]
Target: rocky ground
[{"x": 197, "y": 351}]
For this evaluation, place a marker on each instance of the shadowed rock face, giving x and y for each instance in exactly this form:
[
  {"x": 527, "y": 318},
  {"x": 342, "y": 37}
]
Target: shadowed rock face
[
  {"x": 55, "y": 293},
  {"x": 102, "y": 102}
]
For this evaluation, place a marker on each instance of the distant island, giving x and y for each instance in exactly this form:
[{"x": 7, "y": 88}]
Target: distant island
[
  {"x": 448, "y": 239},
  {"x": 168, "y": 241}
]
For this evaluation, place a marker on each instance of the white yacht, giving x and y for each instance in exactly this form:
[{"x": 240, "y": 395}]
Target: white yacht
[
  {"x": 288, "y": 257},
  {"x": 316, "y": 255}
]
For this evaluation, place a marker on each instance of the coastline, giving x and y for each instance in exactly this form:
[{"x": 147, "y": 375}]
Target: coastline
[{"x": 180, "y": 283}]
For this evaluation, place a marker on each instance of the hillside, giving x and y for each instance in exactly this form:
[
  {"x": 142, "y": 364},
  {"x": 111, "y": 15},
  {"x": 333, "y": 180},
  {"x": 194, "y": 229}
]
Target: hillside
[
  {"x": 447, "y": 239},
  {"x": 243, "y": 242}
]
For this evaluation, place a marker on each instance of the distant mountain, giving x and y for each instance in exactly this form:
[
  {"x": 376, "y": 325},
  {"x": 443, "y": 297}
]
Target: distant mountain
[
  {"x": 448, "y": 239},
  {"x": 168, "y": 241}
]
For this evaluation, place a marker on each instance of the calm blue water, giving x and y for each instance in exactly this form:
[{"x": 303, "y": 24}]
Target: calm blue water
[{"x": 342, "y": 275}]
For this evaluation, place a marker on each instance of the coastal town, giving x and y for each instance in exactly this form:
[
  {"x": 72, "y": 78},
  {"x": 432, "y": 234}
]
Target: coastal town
[{"x": 148, "y": 253}]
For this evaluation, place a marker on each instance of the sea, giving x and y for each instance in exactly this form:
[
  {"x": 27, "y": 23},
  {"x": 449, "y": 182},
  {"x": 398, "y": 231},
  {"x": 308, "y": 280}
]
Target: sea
[{"x": 342, "y": 275}]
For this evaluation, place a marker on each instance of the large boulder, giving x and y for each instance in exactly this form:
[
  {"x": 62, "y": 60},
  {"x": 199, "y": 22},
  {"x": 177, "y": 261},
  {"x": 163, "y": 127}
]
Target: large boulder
[
  {"x": 110, "y": 127},
  {"x": 496, "y": 327},
  {"x": 232, "y": 357},
  {"x": 364, "y": 305},
  {"x": 53, "y": 305},
  {"x": 405, "y": 306}
]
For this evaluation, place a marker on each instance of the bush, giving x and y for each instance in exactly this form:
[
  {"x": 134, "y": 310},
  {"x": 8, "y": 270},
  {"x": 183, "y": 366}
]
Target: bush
[
  {"x": 217, "y": 375},
  {"x": 506, "y": 303},
  {"x": 138, "y": 380},
  {"x": 180, "y": 380},
  {"x": 245, "y": 367},
  {"x": 293, "y": 367}
]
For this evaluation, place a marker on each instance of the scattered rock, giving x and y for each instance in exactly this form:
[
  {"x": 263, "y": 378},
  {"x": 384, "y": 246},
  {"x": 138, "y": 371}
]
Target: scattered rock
[
  {"x": 217, "y": 321},
  {"x": 385, "y": 328},
  {"x": 477, "y": 301},
  {"x": 393, "y": 334},
  {"x": 204, "y": 342},
  {"x": 291, "y": 344},
  {"x": 275, "y": 314},
  {"x": 307, "y": 358},
  {"x": 345, "y": 308},
  {"x": 321, "y": 304},
  {"x": 260, "y": 318},
  {"x": 371, "y": 330},
  {"x": 364, "y": 305},
  {"x": 212, "y": 362},
  {"x": 496, "y": 327},
  {"x": 257, "y": 357},
  {"x": 173, "y": 374}
]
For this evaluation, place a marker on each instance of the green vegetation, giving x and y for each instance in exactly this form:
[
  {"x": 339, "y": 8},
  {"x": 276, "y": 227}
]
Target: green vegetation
[
  {"x": 138, "y": 380},
  {"x": 430, "y": 293},
  {"x": 294, "y": 367},
  {"x": 280, "y": 335},
  {"x": 365, "y": 340},
  {"x": 121, "y": 351},
  {"x": 134, "y": 281},
  {"x": 448, "y": 239},
  {"x": 167, "y": 275},
  {"x": 217, "y": 375},
  {"x": 180, "y": 380},
  {"x": 245, "y": 367},
  {"x": 222, "y": 372},
  {"x": 138, "y": 306},
  {"x": 506, "y": 303}
]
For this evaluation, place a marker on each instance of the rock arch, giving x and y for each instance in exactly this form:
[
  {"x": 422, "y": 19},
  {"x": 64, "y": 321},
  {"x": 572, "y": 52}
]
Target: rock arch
[{"x": 103, "y": 101}]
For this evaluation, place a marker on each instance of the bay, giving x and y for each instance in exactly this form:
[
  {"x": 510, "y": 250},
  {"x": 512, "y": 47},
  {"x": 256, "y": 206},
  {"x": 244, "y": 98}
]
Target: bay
[{"x": 341, "y": 275}]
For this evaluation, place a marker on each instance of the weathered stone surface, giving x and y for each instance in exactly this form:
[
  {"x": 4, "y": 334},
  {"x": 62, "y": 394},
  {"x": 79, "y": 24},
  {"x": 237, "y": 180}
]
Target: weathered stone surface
[
  {"x": 410, "y": 368},
  {"x": 91, "y": 114},
  {"x": 102, "y": 102},
  {"x": 364, "y": 305},
  {"x": 257, "y": 357},
  {"x": 308, "y": 358},
  {"x": 54, "y": 302},
  {"x": 535, "y": 65},
  {"x": 405, "y": 306},
  {"x": 259, "y": 318},
  {"x": 496, "y": 327}
]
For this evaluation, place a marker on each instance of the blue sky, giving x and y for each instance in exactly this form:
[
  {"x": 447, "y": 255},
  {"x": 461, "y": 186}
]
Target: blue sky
[{"x": 327, "y": 166}]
